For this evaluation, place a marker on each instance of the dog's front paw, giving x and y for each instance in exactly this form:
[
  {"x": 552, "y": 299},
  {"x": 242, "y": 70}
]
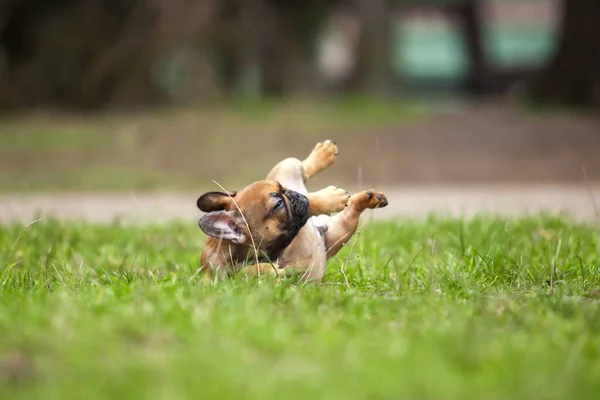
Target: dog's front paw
[
  {"x": 327, "y": 201},
  {"x": 335, "y": 199}
]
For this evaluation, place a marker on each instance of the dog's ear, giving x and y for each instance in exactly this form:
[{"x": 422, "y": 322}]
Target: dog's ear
[
  {"x": 223, "y": 224},
  {"x": 214, "y": 201}
]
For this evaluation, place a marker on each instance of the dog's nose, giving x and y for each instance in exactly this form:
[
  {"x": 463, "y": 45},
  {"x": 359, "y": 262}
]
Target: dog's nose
[
  {"x": 298, "y": 201},
  {"x": 295, "y": 197},
  {"x": 290, "y": 194}
]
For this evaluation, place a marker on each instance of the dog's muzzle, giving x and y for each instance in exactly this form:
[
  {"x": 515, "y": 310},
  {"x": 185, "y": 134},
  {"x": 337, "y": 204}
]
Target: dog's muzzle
[
  {"x": 298, "y": 213},
  {"x": 300, "y": 208}
]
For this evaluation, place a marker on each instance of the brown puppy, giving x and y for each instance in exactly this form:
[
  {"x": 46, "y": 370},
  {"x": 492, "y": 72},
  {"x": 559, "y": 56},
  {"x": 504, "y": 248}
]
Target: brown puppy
[{"x": 275, "y": 226}]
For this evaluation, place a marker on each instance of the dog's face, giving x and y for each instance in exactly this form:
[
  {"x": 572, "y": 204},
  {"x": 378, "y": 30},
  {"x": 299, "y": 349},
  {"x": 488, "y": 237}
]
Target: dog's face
[{"x": 265, "y": 211}]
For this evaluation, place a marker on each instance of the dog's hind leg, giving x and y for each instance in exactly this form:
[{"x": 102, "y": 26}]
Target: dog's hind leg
[
  {"x": 342, "y": 226},
  {"x": 320, "y": 158},
  {"x": 293, "y": 173}
]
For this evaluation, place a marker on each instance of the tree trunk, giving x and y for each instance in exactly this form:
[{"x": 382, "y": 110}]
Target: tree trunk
[
  {"x": 469, "y": 12},
  {"x": 573, "y": 77},
  {"x": 373, "y": 72},
  {"x": 272, "y": 54},
  {"x": 289, "y": 32}
]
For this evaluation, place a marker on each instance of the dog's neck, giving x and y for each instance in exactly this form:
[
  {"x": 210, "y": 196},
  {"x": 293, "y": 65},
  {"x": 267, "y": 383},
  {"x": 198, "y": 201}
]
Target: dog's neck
[
  {"x": 268, "y": 255},
  {"x": 238, "y": 255}
]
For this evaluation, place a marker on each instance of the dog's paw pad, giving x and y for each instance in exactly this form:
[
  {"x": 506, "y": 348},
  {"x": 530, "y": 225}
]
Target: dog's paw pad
[{"x": 370, "y": 199}]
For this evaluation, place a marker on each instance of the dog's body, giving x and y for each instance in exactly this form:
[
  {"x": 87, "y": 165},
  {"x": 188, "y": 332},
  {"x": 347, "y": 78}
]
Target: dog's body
[{"x": 275, "y": 226}]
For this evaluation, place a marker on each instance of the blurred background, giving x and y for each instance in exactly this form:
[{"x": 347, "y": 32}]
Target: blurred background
[{"x": 151, "y": 95}]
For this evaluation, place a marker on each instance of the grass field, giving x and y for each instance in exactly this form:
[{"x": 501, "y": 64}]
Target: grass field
[{"x": 436, "y": 309}]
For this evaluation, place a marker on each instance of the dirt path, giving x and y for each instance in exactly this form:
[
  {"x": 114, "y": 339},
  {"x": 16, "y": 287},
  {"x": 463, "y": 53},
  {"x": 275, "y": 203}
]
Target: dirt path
[{"x": 404, "y": 201}]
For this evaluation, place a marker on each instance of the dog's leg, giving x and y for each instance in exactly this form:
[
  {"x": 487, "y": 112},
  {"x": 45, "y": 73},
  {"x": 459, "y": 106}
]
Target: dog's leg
[
  {"x": 319, "y": 159},
  {"x": 293, "y": 173},
  {"x": 342, "y": 226}
]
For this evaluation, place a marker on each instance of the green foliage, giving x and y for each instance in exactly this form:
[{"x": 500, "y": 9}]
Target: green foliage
[{"x": 442, "y": 308}]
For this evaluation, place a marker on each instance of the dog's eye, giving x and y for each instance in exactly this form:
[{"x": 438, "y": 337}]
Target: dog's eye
[{"x": 278, "y": 204}]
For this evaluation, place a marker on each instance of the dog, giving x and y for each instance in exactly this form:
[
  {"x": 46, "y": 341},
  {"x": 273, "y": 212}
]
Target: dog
[{"x": 276, "y": 227}]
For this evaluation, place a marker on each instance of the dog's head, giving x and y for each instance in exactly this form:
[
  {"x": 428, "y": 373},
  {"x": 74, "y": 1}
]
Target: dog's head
[{"x": 264, "y": 214}]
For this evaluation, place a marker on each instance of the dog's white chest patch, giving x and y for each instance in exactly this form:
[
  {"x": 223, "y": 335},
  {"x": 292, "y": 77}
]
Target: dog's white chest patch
[{"x": 320, "y": 224}]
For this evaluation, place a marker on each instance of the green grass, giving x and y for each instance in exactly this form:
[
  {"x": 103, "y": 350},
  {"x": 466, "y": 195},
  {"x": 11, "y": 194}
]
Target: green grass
[{"x": 437, "y": 309}]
